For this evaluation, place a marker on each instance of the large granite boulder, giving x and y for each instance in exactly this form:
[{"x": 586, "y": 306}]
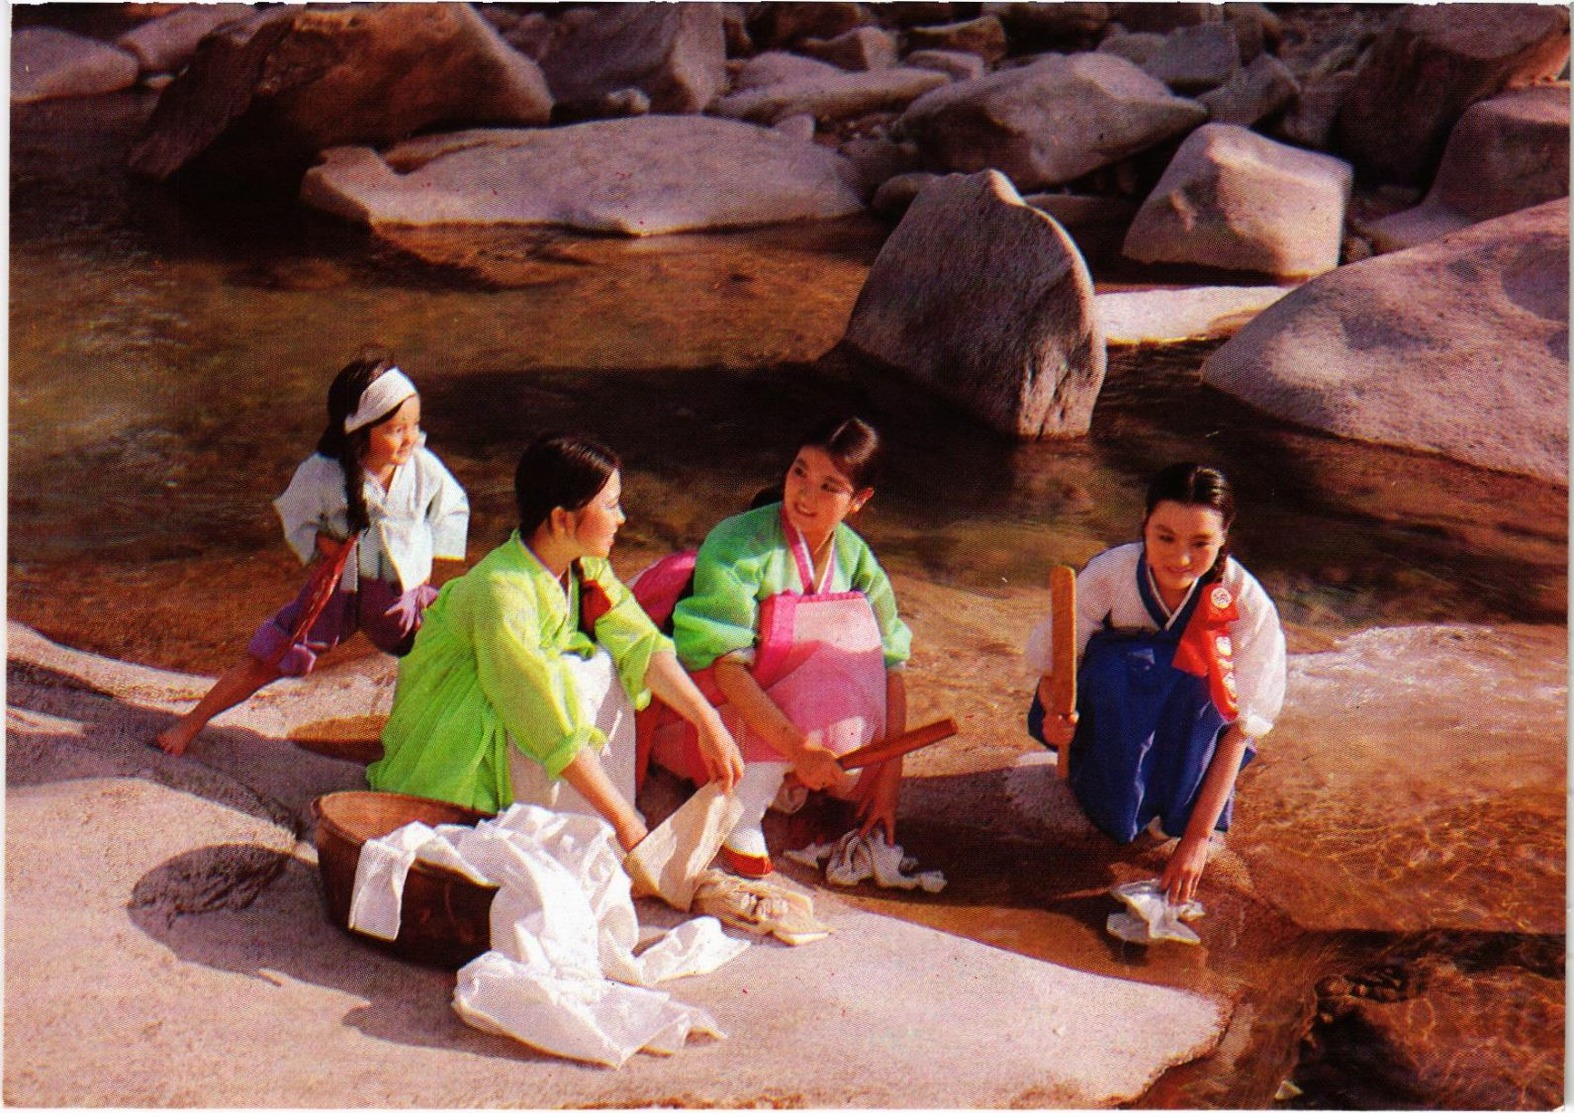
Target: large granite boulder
[
  {"x": 263, "y": 95},
  {"x": 832, "y": 95},
  {"x": 1457, "y": 347},
  {"x": 1049, "y": 122},
  {"x": 47, "y": 62},
  {"x": 675, "y": 53},
  {"x": 164, "y": 45},
  {"x": 639, "y": 176},
  {"x": 988, "y": 301},
  {"x": 1436, "y": 61},
  {"x": 1509, "y": 153},
  {"x": 1235, "y": 200}
]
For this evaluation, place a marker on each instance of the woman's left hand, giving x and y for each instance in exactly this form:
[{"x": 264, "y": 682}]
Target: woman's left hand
[
  {"x": 719, "y": 753},
  {"x": 1184, "y": 869},
  {"x": 876, "y": 795}
]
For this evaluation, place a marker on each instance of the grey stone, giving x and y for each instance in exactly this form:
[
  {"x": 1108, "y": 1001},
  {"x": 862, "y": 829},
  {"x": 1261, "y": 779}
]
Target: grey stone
[
  {"x": 1256, "y": 29},
  {"x": 640, "y": 176},
  {"x": 263, "y": 95},
  {"x": 1256, "y": 92},
  {"x": 1040, "y": 21},
  {"x": 164, "y": 45},
  {"x": 896, "y": 193},
  {"x": 1049, "y": 122},
  {"x": 1193, "y": 59},
  {"x": 47, "y": 62},
  {"x": 1169, "y": 316},
  {"x": 1310, "y": 119},
  {"x": 676, "y": 53},
  {"x": 1137, "y": 47},
  {"x": 775, "y": 25},
  {"x": 1164, "y": 17},
  {"x": 987, "y": 301},
  {"x": 1506, "y": 154},
  {"x": 1421, "y": 75},
  {"x": 778, "y": 67},
  {"x": 984, "y": 36},
  {"x": 958, "y": 65},
  {"x": 877, "y": 160},
  {"x": 837, "y": 95},
  {"x": 862, "y": 48},
  {"x": 1235, "y": 200},
  {"x": 1457, "y": 347},
  {"x": 1097, "y": 224},
  {"x": 800, "y": 127}
]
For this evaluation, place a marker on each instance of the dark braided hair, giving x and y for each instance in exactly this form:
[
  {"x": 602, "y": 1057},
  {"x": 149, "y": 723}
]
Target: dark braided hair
[{"x": 344, "y": 396}]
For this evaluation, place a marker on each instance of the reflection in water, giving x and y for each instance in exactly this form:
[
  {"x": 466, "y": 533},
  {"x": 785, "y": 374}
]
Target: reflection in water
[{"x": 168, "y": 365}]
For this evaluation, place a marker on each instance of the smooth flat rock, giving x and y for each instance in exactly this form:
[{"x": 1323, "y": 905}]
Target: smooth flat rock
[
  {"x": 1187, "y": 314},
  {"x": 639, "y": 176},
  {"x": 225, "y": 985},
  {"x": 836, "y": 95},
  {"x": 164, "y": 45},
  {"x": 47, "y": 62},
  {"x": 1049, "y": 122},
  {"x": 988, "y": 301},
  {"x": 1457, "y": 347},
  {"x": 1505, "y": 154},
  {"x": 1235, "y": 200}
]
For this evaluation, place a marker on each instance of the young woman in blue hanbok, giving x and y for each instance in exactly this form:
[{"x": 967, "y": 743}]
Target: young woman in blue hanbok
[{"x": 1181, "y": 672}]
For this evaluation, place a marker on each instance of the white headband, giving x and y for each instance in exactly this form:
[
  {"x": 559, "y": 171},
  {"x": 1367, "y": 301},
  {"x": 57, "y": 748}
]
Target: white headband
[{"x": 382, "y": 395}]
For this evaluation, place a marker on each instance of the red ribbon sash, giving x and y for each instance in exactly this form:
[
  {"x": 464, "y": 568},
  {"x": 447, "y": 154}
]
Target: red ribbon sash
[{"x": 1205, "y": 649}]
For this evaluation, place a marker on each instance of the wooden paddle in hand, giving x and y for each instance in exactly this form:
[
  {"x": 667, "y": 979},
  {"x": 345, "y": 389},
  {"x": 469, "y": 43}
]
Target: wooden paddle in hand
[
  {"x": 889, "y": 748},
  {"x": 1062, "y": 688}
]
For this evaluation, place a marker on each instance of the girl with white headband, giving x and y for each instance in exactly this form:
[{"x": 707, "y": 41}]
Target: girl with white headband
[{"x": 371, "y": 509}]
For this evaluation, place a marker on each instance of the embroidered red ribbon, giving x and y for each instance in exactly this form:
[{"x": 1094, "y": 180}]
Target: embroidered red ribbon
[{"x": 1205, "y": 650}]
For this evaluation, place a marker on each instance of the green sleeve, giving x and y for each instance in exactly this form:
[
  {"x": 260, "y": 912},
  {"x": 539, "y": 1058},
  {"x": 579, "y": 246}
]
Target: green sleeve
[
  {"x": 629, "y": 636},
  {"x": 867, "y": 575},
  {"x": 721, "y": 616},
  {"x": 523, "y": 677}
]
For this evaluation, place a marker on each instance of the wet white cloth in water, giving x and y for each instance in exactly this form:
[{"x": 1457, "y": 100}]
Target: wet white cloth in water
[
  {"x": 562, "y": 974},
  {"x": 851, "y": 859},
  {"x": 1150, "y": 917}
]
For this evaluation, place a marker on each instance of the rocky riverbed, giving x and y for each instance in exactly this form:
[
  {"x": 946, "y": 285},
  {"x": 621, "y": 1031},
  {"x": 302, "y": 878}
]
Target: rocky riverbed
[{"x": 1386, "y": 927}]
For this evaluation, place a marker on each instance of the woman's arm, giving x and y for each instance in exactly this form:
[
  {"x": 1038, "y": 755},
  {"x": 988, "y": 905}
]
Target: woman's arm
[
  {"x": 670, "y": 683},
  {"x": 1184, "y": 868},
  {"x": 879, "y": 784},
  {"x": 586, "y": 776},
  {"x": 815, "y": 765}
]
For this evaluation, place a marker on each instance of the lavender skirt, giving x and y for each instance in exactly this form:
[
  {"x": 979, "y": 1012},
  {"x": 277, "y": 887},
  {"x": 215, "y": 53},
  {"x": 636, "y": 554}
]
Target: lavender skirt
[{"x": 389, "y": 618}]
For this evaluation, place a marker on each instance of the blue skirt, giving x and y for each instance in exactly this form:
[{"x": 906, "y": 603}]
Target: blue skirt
[{"x": 1146, "y": 733}]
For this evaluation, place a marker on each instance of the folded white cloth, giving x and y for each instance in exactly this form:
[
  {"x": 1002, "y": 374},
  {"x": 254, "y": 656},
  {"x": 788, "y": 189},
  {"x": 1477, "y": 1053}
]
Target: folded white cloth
[
  {"x": 852, "y": 859},
  {"x": 562, "y": 975},
  {"x": 1150, "y": 916}
]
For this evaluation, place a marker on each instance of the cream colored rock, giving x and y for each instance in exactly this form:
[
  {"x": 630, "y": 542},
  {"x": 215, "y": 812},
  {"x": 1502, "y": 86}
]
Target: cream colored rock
[
  {"x": 47, "y": 62},
  {"x": 987, "y": 301},
  {"x": 1457, "y": 347},
  {"x": 1049, "y": 122},
  {"x": 637, "y": 176},
  {"x": 1423, "y": 73},
  {"x": 675, "y": 53},
  {"x": 833, "y": 95},
  {"x": 1234, "y": 200},
  {"x": 1505, "y": 154},
  {"x": 1168, "y": 316}
]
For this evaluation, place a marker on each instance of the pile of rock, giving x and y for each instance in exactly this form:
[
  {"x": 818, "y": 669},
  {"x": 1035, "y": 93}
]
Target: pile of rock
[{"x": 1214, "y": 139}]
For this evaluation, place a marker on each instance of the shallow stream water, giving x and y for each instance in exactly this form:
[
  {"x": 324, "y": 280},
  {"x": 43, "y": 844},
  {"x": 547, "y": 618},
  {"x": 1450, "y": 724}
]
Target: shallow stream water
[{"x": 169, "y": 356}]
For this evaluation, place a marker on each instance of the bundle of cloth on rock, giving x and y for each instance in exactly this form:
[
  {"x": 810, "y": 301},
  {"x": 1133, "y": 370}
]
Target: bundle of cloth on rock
[
  {"x": 854, "y": 858},
  {"x": 1151, "y": 917},
  {"x": 562, "y": 975}
]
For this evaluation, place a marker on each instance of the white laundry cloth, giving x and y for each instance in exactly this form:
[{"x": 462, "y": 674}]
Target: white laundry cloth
[
  {"x": 562, "y": 974},
  {"x": 1150, "y": 916},
  {"x": 852, "y": 859}
]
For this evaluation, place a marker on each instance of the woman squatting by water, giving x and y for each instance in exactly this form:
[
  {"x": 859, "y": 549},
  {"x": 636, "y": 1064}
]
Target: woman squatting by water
[
  {"x": 792, "y": 627},
  {"x": 526, "y": 675},
  {"x": 1182, "y": 672},
  {"x": 372, "y": 508}
]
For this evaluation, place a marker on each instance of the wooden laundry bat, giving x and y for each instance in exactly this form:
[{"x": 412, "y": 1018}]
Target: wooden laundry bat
[
  {"x": 889, "y": 748},
  {"x": 1062, "y": 687}
]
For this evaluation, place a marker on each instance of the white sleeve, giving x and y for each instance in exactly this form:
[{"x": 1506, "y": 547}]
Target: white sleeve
[
  {"x": 303, "y": 506},
  {"x": 1260, "y": 667},
  {"x": 1095, "y": 589},
  {"x": 448, "y": 513}
]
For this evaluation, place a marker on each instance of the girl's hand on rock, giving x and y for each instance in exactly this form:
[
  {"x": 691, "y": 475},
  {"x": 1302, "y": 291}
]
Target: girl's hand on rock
[
  {"x": 876, "y": 795},
  {"x": 1184, "y": 869},
  {"x": 719, "y": 753}
]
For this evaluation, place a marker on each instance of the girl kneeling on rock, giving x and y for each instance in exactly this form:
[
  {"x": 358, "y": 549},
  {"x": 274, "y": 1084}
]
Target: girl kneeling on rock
[
  {"x": 374, "y": 507},
  {"x": 1182, "y": 670},
  {"x": 793, "y": 625},
  {"x": 528, "y": 669}
]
